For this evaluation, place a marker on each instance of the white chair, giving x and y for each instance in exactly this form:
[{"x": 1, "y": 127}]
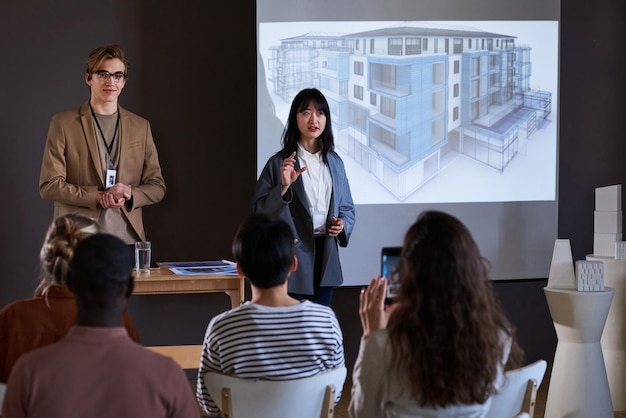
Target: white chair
[
  {"x": 518, "y": 394},
  {"x": 310, "y": 397}
]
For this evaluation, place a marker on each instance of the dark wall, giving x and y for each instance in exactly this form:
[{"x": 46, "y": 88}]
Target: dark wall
[
  {"x": 193, "y": 76},
  {"x": 592, "y": 147}
]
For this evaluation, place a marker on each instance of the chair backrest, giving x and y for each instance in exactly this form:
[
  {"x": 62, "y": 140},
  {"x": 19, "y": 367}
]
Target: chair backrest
[
  {"x": 519, "y": 392},
  {"x": 310, "y": 397}
]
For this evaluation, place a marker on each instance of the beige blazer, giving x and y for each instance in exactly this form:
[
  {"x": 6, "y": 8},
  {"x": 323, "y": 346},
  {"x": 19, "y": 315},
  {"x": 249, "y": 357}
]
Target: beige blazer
[{"x": 71, "y": 172}]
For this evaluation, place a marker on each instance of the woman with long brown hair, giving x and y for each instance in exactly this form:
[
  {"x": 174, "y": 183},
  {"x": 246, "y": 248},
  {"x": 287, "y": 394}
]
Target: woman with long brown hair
[{"x": 441, "y": 348}]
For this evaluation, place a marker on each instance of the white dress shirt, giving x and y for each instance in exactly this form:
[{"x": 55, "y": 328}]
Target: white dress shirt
[{"x": 318, "y": 186}]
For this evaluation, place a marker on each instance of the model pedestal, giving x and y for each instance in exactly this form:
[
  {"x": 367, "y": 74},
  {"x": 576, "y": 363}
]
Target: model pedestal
[
  {"x": 613, "y": 339},
  {"x": 579, "y": 386}
]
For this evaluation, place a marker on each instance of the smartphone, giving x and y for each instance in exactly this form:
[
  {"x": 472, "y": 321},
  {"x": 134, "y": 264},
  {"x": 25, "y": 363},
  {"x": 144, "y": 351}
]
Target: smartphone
[{"x": 388, "y": 268}]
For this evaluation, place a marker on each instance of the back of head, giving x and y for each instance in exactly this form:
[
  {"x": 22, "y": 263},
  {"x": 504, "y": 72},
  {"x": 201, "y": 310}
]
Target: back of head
[
  {"x": 443, "y": 259},
  {"x": 58, "y": 247},
  {"x": 100, "y": 54},
  {"x": 264, "y": 250},
  {"x": 447, "y": 330},
  {"x": 101, "y": 272}
]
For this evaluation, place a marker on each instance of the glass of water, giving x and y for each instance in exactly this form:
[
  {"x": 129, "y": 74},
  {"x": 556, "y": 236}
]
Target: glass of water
[{"x": 143, "y": 253}]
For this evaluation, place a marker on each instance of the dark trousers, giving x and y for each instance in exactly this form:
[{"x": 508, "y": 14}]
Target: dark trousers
[{"x": 321, "y": 295}]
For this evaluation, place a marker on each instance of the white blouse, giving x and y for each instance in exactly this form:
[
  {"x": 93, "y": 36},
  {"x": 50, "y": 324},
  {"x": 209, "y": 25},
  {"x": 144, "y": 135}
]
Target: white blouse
[{"x": 318, "y": 186}]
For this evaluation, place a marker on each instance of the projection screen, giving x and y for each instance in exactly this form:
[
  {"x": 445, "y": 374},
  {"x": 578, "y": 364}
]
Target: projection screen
[{"x": 435, "y": 104}]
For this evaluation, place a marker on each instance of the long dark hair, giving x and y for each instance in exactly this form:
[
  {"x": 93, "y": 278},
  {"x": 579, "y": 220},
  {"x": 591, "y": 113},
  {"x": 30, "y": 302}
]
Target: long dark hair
[
  {"x": 448, "y": 331},
  {"x": 291, "y": 134}
]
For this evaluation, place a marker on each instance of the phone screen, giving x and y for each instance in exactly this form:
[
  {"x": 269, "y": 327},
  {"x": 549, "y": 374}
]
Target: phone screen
[{"x": 389, "y": 262}]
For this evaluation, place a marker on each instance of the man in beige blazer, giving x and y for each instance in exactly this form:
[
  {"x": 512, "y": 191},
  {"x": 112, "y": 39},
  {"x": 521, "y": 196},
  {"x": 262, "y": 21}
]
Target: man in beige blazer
[{"x": 100, "y": 160}]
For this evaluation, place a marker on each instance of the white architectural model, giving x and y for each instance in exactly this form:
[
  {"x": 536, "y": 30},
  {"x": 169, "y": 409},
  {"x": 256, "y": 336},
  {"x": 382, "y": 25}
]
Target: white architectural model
[
  {"x": 593, "y": 307},
  {"x": 589, "y": 276},
  {"x": 620, "y": 250},
  {"x": 611, "y": 251},
  {"x": 607, "y": 220},
  {"x": 562, "y": 267}
]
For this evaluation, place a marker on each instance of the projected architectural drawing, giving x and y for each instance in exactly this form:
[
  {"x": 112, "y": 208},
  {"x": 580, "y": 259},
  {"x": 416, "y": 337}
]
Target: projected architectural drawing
[{"x": 406, "y": 101}]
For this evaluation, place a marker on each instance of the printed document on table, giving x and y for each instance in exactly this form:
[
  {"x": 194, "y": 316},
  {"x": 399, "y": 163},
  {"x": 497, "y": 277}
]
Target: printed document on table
[{"x": 218, "y": 268}]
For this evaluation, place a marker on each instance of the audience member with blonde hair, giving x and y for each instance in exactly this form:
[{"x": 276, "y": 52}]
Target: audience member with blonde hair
[
  {"x": 45, "y": 318},
  {"x": 441, "y": 348},
  {"x": 96, "y": 370}
]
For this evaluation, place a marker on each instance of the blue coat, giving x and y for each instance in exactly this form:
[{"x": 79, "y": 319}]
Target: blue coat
[{"x": 293, "y": 208}]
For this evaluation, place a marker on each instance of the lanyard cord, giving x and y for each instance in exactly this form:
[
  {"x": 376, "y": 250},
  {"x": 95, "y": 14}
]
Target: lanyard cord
[{"x": 109, "y": 147}]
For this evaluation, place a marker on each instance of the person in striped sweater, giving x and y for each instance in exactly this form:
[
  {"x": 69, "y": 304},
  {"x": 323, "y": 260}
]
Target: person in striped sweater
[{"x": 273, "y": 336}]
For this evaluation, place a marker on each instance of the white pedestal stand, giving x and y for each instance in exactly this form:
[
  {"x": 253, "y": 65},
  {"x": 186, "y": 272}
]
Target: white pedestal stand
[
  {"x": 613, "y": 339},
  {"x": 579, "y": 386}
]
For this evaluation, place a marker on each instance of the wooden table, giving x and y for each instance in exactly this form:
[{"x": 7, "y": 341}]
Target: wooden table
[{"x": 161, "y": 281}]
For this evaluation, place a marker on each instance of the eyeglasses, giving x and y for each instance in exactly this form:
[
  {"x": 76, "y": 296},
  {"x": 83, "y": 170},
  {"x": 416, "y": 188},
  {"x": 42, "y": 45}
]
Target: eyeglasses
[{"x": 105, "y": 75}]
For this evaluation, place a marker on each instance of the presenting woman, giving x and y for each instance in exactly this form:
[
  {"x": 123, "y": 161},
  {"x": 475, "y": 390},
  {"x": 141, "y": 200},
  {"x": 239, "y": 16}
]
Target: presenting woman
[{"x": 305, "y": 184}]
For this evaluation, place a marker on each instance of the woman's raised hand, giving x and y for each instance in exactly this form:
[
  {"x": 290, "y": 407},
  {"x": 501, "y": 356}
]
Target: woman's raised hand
[
  {"x": 288, "y": 171},
  {"x": 372, "y": 310}
]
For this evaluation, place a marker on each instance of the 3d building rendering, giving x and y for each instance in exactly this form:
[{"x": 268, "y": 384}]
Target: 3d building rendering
[{"x": 406, "y": 100}]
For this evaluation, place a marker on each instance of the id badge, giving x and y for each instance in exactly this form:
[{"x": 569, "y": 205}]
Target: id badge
[
  {"x": 319, "y": 222},
  {"x": 110, "y": 179}
]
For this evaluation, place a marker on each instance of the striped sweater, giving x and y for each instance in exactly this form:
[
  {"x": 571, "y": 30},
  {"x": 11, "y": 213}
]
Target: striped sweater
[{"x": 273, "y": 343}]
